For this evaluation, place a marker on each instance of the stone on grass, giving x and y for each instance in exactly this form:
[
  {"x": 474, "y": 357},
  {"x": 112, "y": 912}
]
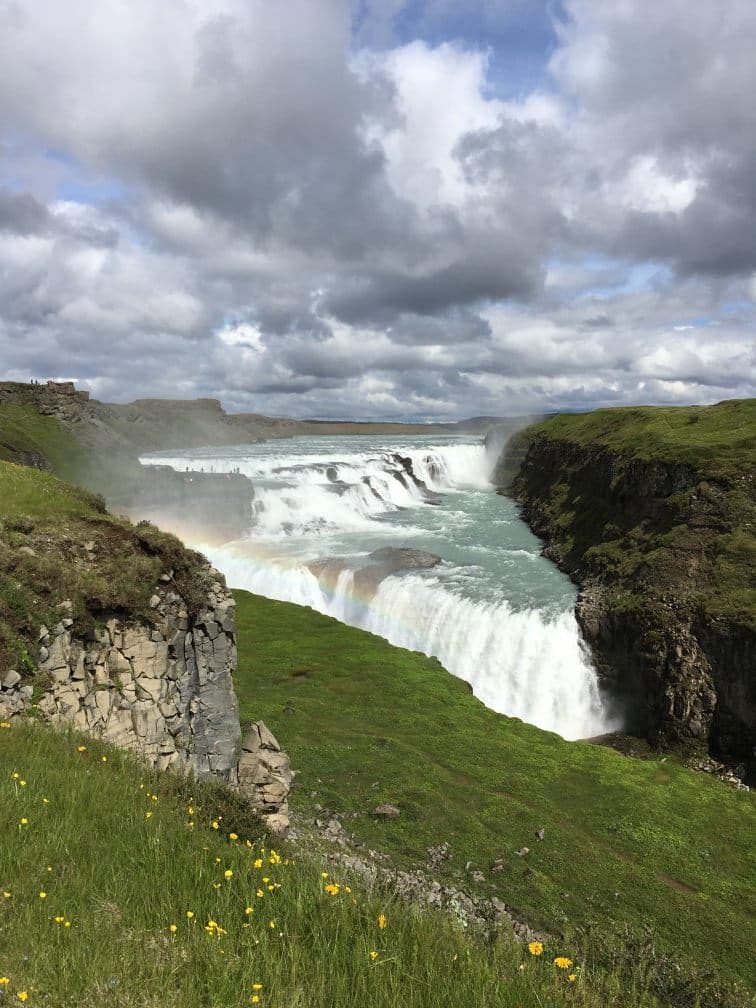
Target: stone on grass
[{"x": 386, "y": 812}]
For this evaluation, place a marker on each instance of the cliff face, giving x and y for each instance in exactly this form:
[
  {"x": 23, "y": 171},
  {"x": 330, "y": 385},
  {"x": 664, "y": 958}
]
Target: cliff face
[
  {"x": 661, "y": 546},
  {"x": 164, "y": 691}
]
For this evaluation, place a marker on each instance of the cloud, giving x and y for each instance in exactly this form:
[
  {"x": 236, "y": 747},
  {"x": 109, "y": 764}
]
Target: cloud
[{"x": 330, "y": 207}]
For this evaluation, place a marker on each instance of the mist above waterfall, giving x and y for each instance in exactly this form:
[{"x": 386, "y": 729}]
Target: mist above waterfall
[{"x": 492, "y": 610}]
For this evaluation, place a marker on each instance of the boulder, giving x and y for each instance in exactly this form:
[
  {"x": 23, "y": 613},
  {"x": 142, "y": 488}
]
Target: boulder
[{"x": 386, "y": 812}]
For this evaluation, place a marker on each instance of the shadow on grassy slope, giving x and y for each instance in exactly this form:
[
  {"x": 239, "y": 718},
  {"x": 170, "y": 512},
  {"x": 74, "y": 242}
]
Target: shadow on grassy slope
[{"x": 627, "y": 844}]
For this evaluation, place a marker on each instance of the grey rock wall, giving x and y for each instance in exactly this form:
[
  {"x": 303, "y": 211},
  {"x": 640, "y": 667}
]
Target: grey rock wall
[{"x": 164, "y": 691}]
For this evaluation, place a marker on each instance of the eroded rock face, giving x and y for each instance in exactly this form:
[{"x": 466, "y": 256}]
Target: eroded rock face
[
  {"x": 165, "y": 692},
  {"x": 263, "y": 771}
]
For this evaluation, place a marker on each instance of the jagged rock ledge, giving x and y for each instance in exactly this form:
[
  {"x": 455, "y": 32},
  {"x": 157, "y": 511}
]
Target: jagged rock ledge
[{"x": 164, "y": 692}]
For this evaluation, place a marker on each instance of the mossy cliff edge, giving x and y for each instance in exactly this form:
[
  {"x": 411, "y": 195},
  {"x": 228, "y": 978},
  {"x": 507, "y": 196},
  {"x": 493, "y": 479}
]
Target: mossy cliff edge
[
  {"x": 651, "y": 512},
  {"x": 120, "y": 631}
]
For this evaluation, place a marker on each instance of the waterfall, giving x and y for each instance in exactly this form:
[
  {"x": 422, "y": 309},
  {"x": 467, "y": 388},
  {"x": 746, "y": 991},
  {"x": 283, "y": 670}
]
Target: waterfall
[{"x": 324, "y": 498}]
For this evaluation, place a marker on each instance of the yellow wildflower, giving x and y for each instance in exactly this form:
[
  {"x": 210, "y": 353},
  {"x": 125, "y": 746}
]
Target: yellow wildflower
[
  {"x": 572, "y": 977},
  {"x": 324, "y": 874},
  {"x": 43, "y": 895},
  {"x": 249, "y": 910},
  {"x": 23, "y": 821},
  {"x": 233, "y": 836},
  {"x": 22, "y": 783},
  {"x": 332, "y": 889},
  {"x": 255, "y": 999},
  {"x": 81, "y": 748},
  {"x": 214, "y": 824},
  {"x": 172, "y": 928},
  {"x": 5, "y": 724},
  {"x": 6, "y": 894},
  {"x": 257, "y": 987},
  {"x": 22, "y": 995},
  {"x": 382, "y": 921},
  {"x": 190, "y": 914},
  {"x": 228, "y": 873},
  {"x": 66, "y": 923},
  {"x": 15, "y": 776},
  {"x": 271, "y": 924},
  {"x": 148, "y": 815},
  {"x": 216, "y": 885},
  {"x": 258, "y": 863},
  {"x": 59, "y": 919},
  {"x": 45, "y": 801},
  {"x": 562, "y": 962},
  {"x": 190, "y": 811},
  {"x": 535, "y": 948},
  {"x": 260, "y": 893},
  {"x": 104, "y": 759},
  {"x": 4, "y": 981},
  {"x": 373, "y": 955}
]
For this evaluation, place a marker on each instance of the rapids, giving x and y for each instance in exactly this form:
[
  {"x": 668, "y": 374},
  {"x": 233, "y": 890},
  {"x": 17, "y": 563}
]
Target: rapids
[{"x": 494, "y": 612}]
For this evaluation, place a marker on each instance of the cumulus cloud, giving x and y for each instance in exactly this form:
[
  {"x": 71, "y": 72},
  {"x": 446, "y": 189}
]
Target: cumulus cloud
[{"x": 331, "y": 207}]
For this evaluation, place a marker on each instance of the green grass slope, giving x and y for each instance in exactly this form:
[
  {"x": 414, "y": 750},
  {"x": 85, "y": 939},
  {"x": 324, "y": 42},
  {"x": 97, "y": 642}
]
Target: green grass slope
[
  {"x": 586, "y": 480},
  {"x": 628, "y": 844},
  {"x": 25, "y": 434},
  {"x": 130, "y": 889},
  {"x": 718, "y": 441},
  {"x": 58, "y": 542}
]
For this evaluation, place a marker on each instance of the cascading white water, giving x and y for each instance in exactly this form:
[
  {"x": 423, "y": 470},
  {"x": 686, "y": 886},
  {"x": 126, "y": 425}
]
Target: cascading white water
[
  {"x": 494, "y": 613},
  {"x": 518, "y": 663},
  {"x": 302, "y": 495}
]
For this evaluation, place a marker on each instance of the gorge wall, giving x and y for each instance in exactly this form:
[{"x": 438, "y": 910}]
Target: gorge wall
[{"x": 660, "y": 541}]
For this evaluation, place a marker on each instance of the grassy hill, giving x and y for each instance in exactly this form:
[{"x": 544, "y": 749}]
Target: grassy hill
[
  {"x": 717, "y": 441},
  {"x": 628, "y": 843},
  {"x": 130, "y": 889}
]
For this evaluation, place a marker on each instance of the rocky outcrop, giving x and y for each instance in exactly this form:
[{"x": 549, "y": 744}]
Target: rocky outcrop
[
  {"x": 369, "y": 571},
  {"x": 263, "y": 772},
  {"x": 649, "y": 543},
  {"x": 164, "y": 691}
]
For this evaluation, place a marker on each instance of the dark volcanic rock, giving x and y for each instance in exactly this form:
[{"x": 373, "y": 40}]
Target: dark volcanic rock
[
  {"x": 370, "y": 571},
  {"x": 390, "y": 560},
  {"x": 396, "y": 558}
]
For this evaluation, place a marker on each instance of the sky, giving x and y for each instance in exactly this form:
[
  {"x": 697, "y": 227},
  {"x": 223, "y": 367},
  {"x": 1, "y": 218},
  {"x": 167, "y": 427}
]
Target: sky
[{"x": 412, "y": 209}]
